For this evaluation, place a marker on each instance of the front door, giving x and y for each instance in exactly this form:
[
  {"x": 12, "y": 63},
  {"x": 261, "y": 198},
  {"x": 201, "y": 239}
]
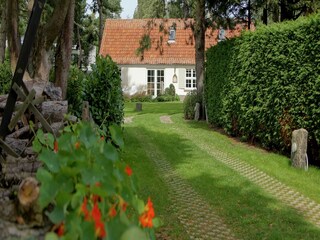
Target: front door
[{"x": 155, "y": 82}]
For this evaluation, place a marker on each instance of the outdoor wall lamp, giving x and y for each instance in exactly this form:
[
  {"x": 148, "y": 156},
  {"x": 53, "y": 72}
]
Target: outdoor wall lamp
[{"x": 174, "y": 78}]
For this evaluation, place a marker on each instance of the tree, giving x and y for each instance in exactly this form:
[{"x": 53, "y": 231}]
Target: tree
[
  {"x": 3, "y": 29},
  {"x": 106, "y": 9},
  {"x": 150, "y": 9},
  {"x": 64, "y": 49}
]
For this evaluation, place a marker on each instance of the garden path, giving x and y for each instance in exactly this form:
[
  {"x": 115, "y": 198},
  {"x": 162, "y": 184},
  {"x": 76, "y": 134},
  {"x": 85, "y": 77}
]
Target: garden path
[
  {"x": 195, "y": 214},
  {"x": 304, "y": 205}
]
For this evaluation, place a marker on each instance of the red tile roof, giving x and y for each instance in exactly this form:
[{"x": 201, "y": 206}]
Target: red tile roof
[{"x": 121, "y": 39}]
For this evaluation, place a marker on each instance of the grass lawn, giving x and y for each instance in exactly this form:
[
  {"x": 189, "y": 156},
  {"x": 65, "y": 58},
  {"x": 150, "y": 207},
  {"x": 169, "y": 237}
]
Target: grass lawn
[{"x": 250, "y": 212}]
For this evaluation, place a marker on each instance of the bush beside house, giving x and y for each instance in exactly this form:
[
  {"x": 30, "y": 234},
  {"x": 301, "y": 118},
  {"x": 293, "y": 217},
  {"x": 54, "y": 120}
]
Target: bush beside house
[
  {"x": 266, "y": 84},
  {"x": 104, "y": 94}
]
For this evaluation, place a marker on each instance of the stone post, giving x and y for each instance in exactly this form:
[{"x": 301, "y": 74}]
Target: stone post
[
  {"x": 85, "y": 111},
  {"x": 138, "y": 107},
  {"x": 197, "y": 112},
  {"x": 299, "y": 148}
]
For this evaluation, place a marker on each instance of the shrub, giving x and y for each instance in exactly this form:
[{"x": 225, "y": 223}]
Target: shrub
[
  {"x": 169, "y": 95},
  {"x": 87, "y": 190},
  {"x": 5, "y": 77},
  {"x": 166, "y": 98},
  {"x": 171, "y": 91},
  {"x": 104, "y": 94},
  {"x": 75, "y": 90},
  {"x": 141, "y": 97},
  {"x": 189, "y": 104}
]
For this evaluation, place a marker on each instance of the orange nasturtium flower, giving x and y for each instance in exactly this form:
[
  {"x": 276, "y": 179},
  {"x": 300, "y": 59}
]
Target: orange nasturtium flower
[
  {"x": 84, "y": 209},
  {"x": 99, "y": 225},
  {"x": 77, "y": 145},
  {"x": 55, "y": 146},
  {"x": 95, "y": 216},
  {"x": 147, "y": 216},
  {"x": 123, "y": 205},
  {"x": 112, "y": 211},
  {"x": 60, "y": 230},
  {"x": 128, "y": 170}
]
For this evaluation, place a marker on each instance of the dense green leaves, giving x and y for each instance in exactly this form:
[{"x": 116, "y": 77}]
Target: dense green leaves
[
  {"x": 104, "y": 93},
  {"x": 86, "y": 184},
  {"x": 5, "y": 77},
  {"x": 265, "y": 84}
]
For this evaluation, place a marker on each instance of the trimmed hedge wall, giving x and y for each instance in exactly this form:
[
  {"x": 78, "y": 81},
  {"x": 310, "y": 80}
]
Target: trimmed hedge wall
[
  {"x": 218, "y": 73},
  {"x": 266, "y": 83}
]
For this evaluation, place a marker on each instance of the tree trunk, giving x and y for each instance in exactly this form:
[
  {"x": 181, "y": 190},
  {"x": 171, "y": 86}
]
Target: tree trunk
[
  {"x": 199, "y": 34},
  {"x": 101, "y": 22},
  {"x": 79, "y": 48},
  {"x": 249, "y": 14},
  {"x": 286, "y": 11},
  {"x": 14, "y": 41},
  {"x": 63, "y": 53},
  {"x": 3, "y": 31},
  {"x": 39, "y": 62}
]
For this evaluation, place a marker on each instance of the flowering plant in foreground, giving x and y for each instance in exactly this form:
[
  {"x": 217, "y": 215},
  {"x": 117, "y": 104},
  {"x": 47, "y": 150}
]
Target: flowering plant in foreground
[{"x": 91, "y": 190}]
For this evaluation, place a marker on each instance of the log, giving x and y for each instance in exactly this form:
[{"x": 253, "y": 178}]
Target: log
[
  {"x": 28, "y": 194},
  {"x": 19, "y": 165},
  {"x": 53, "y": 93},
  {"x": 56, "y": 127},
  {"x": 24, "y": 131},
  {"x": 17, "y": 145},
  {"x": 10, "y": 230},
  {"x": 54, "y": 111},
  {"x": 7, "y": 211},
  {"x": 3, "y": 98}
]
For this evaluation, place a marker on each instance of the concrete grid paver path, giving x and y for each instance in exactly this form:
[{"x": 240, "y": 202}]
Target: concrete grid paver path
[
  {"x": 194, "y": 213},
  {"x": 304, "y": 205}
]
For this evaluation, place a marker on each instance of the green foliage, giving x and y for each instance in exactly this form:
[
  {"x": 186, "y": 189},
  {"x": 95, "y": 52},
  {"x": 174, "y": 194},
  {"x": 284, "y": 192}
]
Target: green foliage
[
  {"x": 75, "y": 90},
  {"x": 104, "y": 93},
  {"x": 89, "y": 186},
  {"x": 150, "y": 9},
  {"x": 273, "y": 85},
  {"x": 168, "y": 96},
  {"x": 189, "y": 104},
  {"x": 217, "y": 78},
  {"x": 140, "y": 97},
  {"x": 171, "y": 91},
  {"x": 144, "y": 45},
  {"x": 5, "y": 77}
]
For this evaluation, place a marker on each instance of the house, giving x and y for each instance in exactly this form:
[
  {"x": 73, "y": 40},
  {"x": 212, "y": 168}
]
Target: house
[{"x": 170, "y": 59}]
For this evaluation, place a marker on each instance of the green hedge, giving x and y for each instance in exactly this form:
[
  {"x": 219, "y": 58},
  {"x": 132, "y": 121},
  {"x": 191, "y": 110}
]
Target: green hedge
[
  {"x": 272, "y": 84},
  {"x": 217, "y": 78}
]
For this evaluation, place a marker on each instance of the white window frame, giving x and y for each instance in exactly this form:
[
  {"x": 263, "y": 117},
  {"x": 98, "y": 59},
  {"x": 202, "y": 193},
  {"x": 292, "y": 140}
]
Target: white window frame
[
  {"x": 190, "y": 81},
  {"x": 158, "y": 80}
]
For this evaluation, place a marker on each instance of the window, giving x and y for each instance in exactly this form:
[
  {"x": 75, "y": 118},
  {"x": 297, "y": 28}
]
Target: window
[
  {"x": 191, "y": 78},
  {"x": 172, "y": 35},
  {"x": 155, "y": 82},
  {"x": 150, "y": 84}
]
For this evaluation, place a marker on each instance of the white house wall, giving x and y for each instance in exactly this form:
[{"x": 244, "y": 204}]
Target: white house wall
[{"x": 134, "y": 77}]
